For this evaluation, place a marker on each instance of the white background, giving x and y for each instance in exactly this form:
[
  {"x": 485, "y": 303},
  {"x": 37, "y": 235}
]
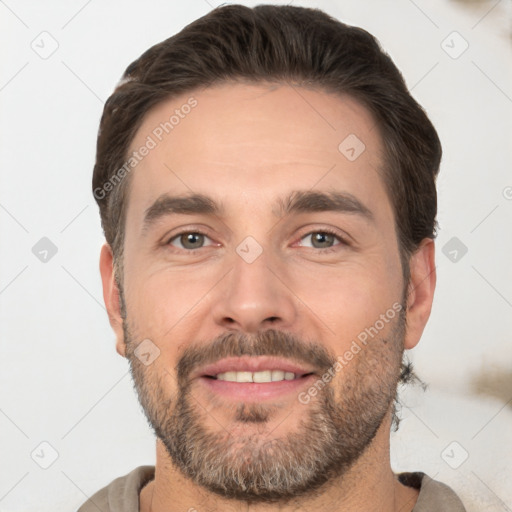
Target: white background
[{"x": 61, "y": 380}]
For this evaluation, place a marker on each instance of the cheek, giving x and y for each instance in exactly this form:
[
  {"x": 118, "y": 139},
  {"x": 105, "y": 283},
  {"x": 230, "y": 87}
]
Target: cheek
[
  {"x": 158, "y": 301},
  {"x": 351, "y": 298}
]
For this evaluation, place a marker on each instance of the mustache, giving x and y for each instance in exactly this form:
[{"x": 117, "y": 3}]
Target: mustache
[{"x": 270, "y": 342}]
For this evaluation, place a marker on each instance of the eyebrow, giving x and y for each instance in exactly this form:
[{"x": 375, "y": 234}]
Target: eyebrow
[{"x": 298, "y": 201}]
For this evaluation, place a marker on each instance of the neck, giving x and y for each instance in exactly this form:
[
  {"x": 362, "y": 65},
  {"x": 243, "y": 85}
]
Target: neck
[{"x": 369, "y": 485}]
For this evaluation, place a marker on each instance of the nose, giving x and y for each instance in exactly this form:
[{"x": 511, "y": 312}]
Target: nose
[{"x": 254, "y": 296}]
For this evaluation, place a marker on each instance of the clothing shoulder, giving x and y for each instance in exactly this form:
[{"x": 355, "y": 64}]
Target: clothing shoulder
[
  {"x": 433, "y": 495},
  {"x": 122, "y": 494}
]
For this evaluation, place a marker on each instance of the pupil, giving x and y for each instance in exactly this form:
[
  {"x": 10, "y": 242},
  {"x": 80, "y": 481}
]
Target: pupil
[
  {"x": 189, "y": 239},
  {"x": 322, "y": 238}
]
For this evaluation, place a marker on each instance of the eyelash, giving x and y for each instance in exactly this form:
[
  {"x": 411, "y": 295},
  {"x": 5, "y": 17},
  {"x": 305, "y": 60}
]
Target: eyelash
[
  {"x": 328, "y": 231},
  {"x": 325, "y": 231}
]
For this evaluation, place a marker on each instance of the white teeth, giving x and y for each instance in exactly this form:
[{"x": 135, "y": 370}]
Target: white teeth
[
  {"x": 263, "y": 376},
  {"x": 277, "y": 375},
  {"x": 243, "y": 376},
  {"x": 231, "y": 376}
]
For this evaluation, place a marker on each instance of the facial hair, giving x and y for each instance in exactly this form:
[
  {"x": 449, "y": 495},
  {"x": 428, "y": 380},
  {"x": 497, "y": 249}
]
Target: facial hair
[{"x": 335, "y": 428}]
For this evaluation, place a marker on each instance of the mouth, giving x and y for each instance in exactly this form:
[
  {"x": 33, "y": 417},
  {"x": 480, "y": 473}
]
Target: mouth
[
  {"x": 254, "y": 378},
  {"x": 258, "y": 377}
]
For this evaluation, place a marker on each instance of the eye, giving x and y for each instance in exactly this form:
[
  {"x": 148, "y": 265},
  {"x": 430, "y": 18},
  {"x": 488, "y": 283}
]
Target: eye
[
  {"x": 323, "y": 240},
  {"x": 189, "y": 240}
]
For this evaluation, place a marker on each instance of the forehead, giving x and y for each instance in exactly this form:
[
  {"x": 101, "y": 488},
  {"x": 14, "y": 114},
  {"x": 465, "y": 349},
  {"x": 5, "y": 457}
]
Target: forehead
[{"x": 257, "y": 140}]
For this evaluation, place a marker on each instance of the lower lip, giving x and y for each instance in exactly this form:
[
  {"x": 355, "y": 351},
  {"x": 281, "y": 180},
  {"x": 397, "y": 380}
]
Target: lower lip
[{"x": 256, "y": 391}]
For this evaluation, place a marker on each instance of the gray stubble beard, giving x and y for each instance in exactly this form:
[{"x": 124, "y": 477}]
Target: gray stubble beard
[{"x": 331, "y": 436}]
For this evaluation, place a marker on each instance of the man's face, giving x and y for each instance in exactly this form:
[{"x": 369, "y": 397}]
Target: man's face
[{"x": 268, "y": 282}]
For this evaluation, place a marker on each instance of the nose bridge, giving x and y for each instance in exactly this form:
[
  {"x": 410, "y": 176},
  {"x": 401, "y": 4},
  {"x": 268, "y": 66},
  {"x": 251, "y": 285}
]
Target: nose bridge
[
  {"x": 254, "y": 293},
  {"x": 252, "y": 269}
]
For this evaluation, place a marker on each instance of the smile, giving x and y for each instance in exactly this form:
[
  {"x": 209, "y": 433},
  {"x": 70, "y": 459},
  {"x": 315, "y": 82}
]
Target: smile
[{"x": 259, "y": 377}]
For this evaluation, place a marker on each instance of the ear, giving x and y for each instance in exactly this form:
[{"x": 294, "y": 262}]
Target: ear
[
  {"x": 111, "y": 296},
  {"x": 420, "y": 293}
]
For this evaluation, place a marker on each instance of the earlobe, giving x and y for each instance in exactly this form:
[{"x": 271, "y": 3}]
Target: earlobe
[
  {"x": 111, "y": 296},
  {"x": 420, "y": 291}
]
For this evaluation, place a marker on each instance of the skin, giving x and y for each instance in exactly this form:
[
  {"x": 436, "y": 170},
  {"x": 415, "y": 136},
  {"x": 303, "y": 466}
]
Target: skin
[{"x": 245, "y": 146}]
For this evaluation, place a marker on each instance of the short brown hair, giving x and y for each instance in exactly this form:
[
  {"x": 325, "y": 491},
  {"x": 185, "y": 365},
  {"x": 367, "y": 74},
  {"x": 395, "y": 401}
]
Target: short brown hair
[{"x": 277, "y": 44}]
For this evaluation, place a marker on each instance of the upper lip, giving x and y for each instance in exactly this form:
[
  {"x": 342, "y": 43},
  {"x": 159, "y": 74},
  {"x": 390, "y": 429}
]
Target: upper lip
[{"x": 251, "y": 364}]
